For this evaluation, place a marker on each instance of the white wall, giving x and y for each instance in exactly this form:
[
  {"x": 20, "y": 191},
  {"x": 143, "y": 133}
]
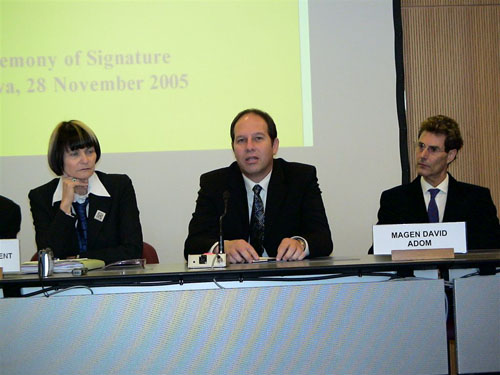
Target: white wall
[{"x": 356, "y": 140}]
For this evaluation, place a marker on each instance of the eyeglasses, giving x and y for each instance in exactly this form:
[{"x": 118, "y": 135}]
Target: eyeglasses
[{"x": 419, "y": 146}]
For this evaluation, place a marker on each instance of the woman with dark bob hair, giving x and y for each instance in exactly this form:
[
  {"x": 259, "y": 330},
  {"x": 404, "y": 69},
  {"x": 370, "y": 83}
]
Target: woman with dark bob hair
[{"x": 84, "y": 212}]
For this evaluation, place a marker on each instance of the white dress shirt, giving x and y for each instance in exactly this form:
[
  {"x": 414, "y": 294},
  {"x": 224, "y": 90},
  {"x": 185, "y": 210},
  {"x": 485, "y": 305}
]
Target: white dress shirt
[
  {"x": 95, "y": 187},
  {"x": 440, "y": 197}
]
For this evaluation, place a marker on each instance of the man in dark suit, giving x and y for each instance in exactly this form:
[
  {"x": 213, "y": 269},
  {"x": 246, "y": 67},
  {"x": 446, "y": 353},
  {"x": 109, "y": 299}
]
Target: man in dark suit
[
  {"x": 435, "y": 196},
  {"x": 10, "y": 218},
  {"x": 274, "y": 207}
]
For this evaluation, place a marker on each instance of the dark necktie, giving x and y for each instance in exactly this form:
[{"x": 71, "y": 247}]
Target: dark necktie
[
  {"x": 432, "y": 210},
  {"x": 257, "y": 221},
  {"x": 81, "y": 226}
]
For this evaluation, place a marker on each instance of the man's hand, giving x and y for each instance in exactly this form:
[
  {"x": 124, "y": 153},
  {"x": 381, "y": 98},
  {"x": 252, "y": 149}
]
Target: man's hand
[
  {"x": 240, "y": 251},
  {"x": 290, "y": 249}
]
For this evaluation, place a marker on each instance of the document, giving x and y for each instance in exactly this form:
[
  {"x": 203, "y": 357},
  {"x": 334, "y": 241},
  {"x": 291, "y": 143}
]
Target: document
[{"x": 66, "y": 265}]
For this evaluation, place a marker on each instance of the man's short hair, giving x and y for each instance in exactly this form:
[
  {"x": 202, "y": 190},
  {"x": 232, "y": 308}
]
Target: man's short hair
[
  {"x": 271, "y": 126},
  {"x": 69, "y": 136},
  {"x": 445, "y": 125}
]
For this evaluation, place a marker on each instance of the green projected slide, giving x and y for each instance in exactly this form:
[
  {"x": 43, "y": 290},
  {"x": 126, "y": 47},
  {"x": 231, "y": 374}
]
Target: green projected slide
[{"x": 152, "y": 75}]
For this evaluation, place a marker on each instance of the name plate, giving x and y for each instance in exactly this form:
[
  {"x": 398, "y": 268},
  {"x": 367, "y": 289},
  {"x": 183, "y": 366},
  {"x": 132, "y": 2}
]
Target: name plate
[
  {"x": 387, "y": 238},
  {"x": 9, "y": 255}
]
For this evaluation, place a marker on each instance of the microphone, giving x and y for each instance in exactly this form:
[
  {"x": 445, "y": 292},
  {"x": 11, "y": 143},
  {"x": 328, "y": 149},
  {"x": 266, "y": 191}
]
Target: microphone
[
  {"x": 225, "y": 197},
  {"x": 211, "y": 260}
]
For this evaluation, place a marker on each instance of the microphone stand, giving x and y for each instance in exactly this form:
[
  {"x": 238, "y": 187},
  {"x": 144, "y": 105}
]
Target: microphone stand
[{"x": 225, "y": 196}]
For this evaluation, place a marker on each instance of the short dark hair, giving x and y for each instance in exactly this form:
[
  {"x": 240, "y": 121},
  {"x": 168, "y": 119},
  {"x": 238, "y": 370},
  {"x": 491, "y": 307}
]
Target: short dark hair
[
  {"x": 70, "y": 135},
  {"x": 271, "y": 126},
  {"x": 445, "y": 125}
]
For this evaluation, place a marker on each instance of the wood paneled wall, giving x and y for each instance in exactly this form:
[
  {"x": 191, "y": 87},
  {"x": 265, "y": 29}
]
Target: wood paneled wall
[{"x": 452, "y": 67}]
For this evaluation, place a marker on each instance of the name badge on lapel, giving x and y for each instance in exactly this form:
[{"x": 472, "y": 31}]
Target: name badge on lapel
[{"x": 99, "y": 215}]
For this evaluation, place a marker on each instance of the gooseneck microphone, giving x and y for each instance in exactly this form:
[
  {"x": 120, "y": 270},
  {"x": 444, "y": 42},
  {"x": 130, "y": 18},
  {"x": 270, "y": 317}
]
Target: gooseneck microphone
[
  {"x": 225, "y": 197},
  {"x": 212, "y": 260}
]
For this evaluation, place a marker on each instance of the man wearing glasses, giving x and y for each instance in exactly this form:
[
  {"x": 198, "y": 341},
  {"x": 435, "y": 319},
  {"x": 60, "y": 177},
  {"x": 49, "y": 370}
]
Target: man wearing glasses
[{"x": 435, "y": 196}]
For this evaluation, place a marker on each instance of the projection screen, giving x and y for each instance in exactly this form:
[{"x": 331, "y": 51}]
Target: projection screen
[{"x": 160, "y": 81}]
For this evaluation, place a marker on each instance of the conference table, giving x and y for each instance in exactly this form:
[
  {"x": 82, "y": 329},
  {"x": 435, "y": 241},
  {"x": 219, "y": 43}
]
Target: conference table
[{"x": 333, "y": 315}]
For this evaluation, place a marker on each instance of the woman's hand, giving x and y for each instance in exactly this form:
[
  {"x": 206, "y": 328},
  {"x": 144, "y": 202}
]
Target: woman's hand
[{"x": 70, "y": 186}]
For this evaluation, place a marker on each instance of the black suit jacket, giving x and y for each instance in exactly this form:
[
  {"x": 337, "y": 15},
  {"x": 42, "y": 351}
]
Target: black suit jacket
[
  {"x": 10, "y": 218},
  {"x": 293, "y": 208},
  {"x": 405, "y": 204},
  {"x": 117, "y": 237}
]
